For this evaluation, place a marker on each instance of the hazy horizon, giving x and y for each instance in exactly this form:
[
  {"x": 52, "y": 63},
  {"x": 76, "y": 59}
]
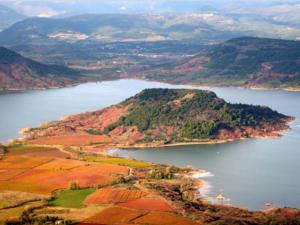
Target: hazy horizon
[{"x": 58, "y": 8}]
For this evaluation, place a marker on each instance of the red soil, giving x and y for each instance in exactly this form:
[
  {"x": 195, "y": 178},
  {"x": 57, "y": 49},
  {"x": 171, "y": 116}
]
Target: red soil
[
  {"x": 96, "y": 150},
  {"x": 76, "y": 140},
  {"x": 160, "y": 218},
  {"x": 60, "y": 176},
  {"x": 114, "y": 215},
  {"x": 117, "y": 195},
  {"x": 125, "y": 216},
  {"x": 35, "y": 173},
  {"x": 23, "y": 162},
  {"x": 8, "y": 174},
  {"x": 149, "y": 204},
  {"x": 41, "y": 152}
]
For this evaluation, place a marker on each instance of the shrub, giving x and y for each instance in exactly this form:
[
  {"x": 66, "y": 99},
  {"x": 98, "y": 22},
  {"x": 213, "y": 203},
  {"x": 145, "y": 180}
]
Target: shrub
[
  {"x": 74, "y": 186},
  {"x": 198, "y": 129}
]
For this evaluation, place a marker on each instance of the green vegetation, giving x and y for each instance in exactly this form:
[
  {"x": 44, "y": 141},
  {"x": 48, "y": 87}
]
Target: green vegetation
[
  {"x": 93, "y": 132},
  {"x": 118, "y": 161},
  {"x": 20, "y": 148},
  {"x": 247, "y": 115},
  {"x": 74, "y": 186},
  {"x": 3, "y": 204},
  {"x": 246, "y": 55},
  {"x": 198, "y": 129},
  {"x": 242, "y": 61},
  {"x": 160, "y": 173},
  {"x": 192, "y": 114},
  {"x": 152, "y": 110},
  {"x": 71, "y": 198}
]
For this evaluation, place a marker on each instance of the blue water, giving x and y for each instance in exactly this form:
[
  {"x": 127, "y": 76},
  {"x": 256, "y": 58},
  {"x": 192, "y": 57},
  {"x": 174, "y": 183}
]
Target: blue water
[{"x": 249, "y": 173}]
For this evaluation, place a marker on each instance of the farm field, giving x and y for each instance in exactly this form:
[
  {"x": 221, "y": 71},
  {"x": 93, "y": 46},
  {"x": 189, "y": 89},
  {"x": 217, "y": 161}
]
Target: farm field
[
  {"x": 24, "y": 171},
  {"x": 75, "y": 140},
  {"x": 120, "y": 215},
  {"x": 16, "y": 198},
  {"x": 118, "y": 161},
  {"x": 71, "y": 198},
  {"x": 114, "y": 196},
  {"x": 65, "y": 185},
  {"x": 149, "y": 203},
  {"x": 16, "y": 212},
  {"x": 30, "y": 151}
]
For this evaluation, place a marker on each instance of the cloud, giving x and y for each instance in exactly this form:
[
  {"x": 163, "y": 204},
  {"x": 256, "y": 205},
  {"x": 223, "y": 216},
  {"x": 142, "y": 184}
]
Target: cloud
[{"x": 123, "y": 8}]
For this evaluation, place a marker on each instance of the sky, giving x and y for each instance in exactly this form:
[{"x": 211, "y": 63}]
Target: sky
[{"x": 50, "y": 8}]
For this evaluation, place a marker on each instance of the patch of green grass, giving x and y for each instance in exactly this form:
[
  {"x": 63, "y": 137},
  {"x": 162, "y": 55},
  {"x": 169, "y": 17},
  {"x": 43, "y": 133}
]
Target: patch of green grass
[
  {"x": 118, "y": 161},
  {"x": 3, "y": 204},
  {"x": 72, "y": 198},
  {"x": 19, "y": 148}
]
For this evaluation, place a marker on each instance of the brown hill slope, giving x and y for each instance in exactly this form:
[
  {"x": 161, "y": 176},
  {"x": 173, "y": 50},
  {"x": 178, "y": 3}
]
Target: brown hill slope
[{"x": 18, "y": 72}]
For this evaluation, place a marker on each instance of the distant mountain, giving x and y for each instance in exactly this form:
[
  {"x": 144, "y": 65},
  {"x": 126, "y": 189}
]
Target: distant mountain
[
  {"x": 18, "y": 73},
  {"x": 8, "y": 17},
  {"x": 251, "y": 62},
  {"x": 205, "y": 26},
  {"x": 165, "y": 116}
]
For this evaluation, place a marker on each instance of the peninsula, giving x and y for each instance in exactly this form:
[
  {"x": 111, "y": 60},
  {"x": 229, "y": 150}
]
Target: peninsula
[{"x": 162, "y": 117}]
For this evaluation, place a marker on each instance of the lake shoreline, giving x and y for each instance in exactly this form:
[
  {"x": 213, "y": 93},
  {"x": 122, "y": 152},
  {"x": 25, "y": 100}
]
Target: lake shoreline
[{"x": 205, "y": 86}]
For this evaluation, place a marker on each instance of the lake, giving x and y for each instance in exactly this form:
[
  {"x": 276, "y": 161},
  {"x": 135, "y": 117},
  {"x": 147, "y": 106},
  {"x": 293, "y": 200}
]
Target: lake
[{"x": 249, "y": 173}]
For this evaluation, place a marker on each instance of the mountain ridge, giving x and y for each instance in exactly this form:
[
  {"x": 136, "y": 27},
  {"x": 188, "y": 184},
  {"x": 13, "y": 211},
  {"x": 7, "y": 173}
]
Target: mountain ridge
[
  {"x": 246, "y": 61},
  {"x": 204, "y": 26},
  {"x": 8, "y": 17},
  {"x": 20, "y": 73}
]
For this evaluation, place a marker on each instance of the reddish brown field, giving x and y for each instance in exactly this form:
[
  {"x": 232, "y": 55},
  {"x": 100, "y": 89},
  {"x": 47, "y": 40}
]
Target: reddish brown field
[
  {"x": 41, "y": 152},
  {"x": 149, "y": 204},
  {"x": 114, "y": 195},
  {"x": 114, "y": 215},
  {"x": 26, "y": 187},
  {"x": 61, "y": 164},
  {"x": 24, "y": 171},
  {"x": 62, "y": 179},
  {"x": 60, "y": 173},
  {"x": 95, "y": 149},
  {"x": 8, "y": 174},
  {"x": 23, "y": 162},
  {"x": 160, "y": 218},
  {"x": 125, "y": 216},
  {"x": 76, "y": 140}
]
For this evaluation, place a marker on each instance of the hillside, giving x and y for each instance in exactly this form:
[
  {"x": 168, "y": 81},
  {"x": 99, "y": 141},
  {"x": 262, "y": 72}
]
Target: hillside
[
  {"x": 165, "y": 116},
  {"x": 206, "y": 27},
  {"x": 249, "y": 62},
  {"x": 8, "y": 17},
  {"x": 18, "y": 73}
]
